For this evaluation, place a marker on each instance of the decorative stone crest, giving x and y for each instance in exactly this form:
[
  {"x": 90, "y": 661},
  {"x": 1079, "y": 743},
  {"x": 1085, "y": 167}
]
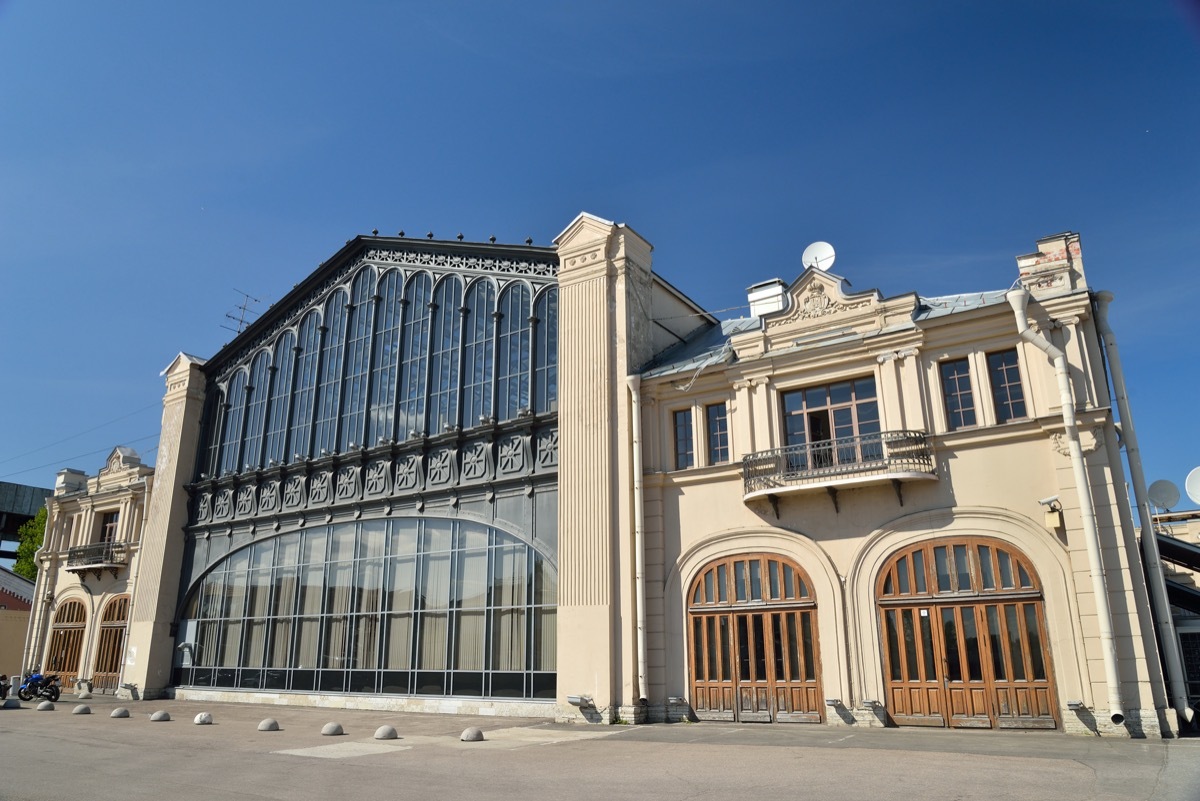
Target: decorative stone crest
[
  {"x": 1090, "y": 440},
  {"x": 441, "y": 467},
  {"x": 318, "y": 489},
  {"x": 512, "y": 455},
  {"x": 223, "y": 505},
  {"x": 408, "y": 473},
  {"x": 474, "y": 463},
  {"x": 293, "y": 492},
  {"x": 377, "y": 478},
  {"x": 347, "y": 482},
  {"x": 547, "y": 449},
  {"x": 268, "y": 497},
  {"x": 245, "y": 501}
]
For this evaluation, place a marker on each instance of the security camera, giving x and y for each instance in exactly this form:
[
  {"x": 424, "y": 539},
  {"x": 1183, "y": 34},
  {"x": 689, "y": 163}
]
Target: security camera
[{"x": 1052, "y": 501}]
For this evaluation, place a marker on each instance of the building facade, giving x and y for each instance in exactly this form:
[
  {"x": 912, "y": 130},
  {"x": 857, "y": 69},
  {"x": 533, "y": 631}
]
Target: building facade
[
  {"x": 87, "y": 569},
  {"x": 469, "y": 477}
]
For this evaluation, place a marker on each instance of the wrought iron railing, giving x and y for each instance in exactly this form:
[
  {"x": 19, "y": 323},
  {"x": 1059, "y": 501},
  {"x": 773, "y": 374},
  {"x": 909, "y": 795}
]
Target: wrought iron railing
[
  {"x": 100, "y": 554},
  {"x": 887, "y": 452}
]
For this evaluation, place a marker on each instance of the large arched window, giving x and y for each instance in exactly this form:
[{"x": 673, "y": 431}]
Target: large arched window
[
  {"x": 964, "y": 639},
  {"x": 754, "y": 645},
  {"x": 358, "y": 360},
  {"x": 66, "y": 641},
  {"x": 257, "y": 393},
  {"x": 443, "y": 346},
  {"x": 329, "y": 390},
  {"x": 427, "y": 606},
  {"x": 415, "y": 365},
  {"x": 281, "y": 392},
  {"x": 235, "y": 413},
  {"x": 386, "y": 358},
  {"x": 512, "y": 353},
  {"x": 478, "y": 339},
  {"x": 545, "y": 367},
  {"x": 309, "y": 358}
]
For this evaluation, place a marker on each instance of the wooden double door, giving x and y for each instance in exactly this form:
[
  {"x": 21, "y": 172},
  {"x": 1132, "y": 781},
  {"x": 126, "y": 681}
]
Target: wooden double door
[
  {"x": 753, "y": 654},
  {"x": 972, "y": 665}
]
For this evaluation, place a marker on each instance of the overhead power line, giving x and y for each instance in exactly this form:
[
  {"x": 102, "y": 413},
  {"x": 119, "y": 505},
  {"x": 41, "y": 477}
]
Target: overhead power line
[{"x": 60, "y": 462}]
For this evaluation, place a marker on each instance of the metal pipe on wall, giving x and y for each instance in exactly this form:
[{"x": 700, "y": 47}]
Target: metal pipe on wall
[
  {"x": 639, "y": 533},
  {"x": 1168, "y": 639},
  {"x": 1018, "y": 298}
]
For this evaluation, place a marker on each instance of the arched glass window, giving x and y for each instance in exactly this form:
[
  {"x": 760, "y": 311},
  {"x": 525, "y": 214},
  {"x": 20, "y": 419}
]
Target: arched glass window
[
  {"x": 443, "y": 345},
  {"x": 306, "y": 384},
  {"x": 231, "y": 439},
  {"x": 358, "y": 360},
  {"x": 215, "y": 415},
  {"x": 257, "y": 393},
  {"x": 424, "y": 606},
  {"x": 478, "y": 338},
  {"x": 329, "y": 391},
  {"x": 281, "y": 391},
  {"x": 545, "y": 368},
  {"x": 414, "y": 368},
  {"x": 387, "y": 359},
  {"x": 512, "y": 353}
]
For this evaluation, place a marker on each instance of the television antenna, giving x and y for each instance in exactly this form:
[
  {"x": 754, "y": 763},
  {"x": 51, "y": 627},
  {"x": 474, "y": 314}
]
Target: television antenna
[
  {"x": 1163, "y": 494},
  {"x": 1192, "y": 484},
  {"x": 818, "y": 256},
  {"x": 242, "y": 315}
]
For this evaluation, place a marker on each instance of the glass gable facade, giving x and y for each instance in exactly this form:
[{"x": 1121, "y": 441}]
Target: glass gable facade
[{"x": 375, "y": 508}]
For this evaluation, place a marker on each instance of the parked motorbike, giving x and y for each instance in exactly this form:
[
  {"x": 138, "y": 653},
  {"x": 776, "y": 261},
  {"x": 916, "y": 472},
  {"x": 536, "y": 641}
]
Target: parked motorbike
[{"x": 38, "y": 685}]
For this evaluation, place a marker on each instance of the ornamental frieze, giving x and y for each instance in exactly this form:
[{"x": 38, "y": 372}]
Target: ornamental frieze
[
  {"x": 223, "y": 505},
  {"x": 204, "y": 507},
  {"x": 815, "y": 303}
]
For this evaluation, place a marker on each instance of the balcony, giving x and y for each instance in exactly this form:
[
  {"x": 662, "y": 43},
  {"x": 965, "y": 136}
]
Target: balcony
[
  {"x": 99, "y": 556},
  {"x": 893, "y": 456}
]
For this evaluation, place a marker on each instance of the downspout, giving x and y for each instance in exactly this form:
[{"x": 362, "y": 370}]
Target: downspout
[
  {"x": 1158, "y": 587},
  {"x": 1018, "y": 298},
  {"x": 639, "y": 533}
]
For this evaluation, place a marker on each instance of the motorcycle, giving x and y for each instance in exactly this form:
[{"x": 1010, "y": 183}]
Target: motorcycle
[{"x": 37, "y": 685}]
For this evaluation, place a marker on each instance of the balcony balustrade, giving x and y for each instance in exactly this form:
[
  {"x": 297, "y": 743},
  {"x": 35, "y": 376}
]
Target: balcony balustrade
[
  {"x": 98, "y": 556},
  {"x": 827, "y": 464}
]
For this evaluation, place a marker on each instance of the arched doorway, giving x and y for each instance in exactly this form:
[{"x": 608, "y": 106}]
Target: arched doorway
[
  {"x": 753, "y": 652},
  {"x": 963, "y": 630},
  {"x": 112, "y": 644},
  {"x": 66, "y": 642}
]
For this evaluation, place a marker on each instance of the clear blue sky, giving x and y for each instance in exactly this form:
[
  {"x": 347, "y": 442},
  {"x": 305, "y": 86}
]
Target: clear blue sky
[{"x": 155, "y": 157}]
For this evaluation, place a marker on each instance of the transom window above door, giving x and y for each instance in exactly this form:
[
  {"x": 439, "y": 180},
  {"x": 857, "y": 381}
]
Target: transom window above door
[
  {"x": 970, "y": 565},
  {"x": 753, "y": 578}
]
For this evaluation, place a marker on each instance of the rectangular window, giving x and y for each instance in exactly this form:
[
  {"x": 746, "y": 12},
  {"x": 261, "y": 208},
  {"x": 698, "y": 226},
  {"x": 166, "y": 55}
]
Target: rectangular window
[
  {"x": 108, "y": 526},
  {"x": 718, "y": 433},
  {"x": 956, "y": 391},
  {"x": 685, "y": 455},
  {"x": 1007, "y": 394}
]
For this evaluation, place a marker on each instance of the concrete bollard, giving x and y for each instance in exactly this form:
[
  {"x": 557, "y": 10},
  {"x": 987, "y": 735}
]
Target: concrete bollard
[
  {"x": 45, "y": 706},
  {"x": 472, "y": 735},
  {"x": 120, "y": 712},
  {"x": 385, "y": 733},
  {"x": 160, "y": 715},
  {"x": 332, "y": 729},
  {"x": 203, "y": 719},
  {"x": 82, "y": 709},
  {"x": 270, "y": 724}
]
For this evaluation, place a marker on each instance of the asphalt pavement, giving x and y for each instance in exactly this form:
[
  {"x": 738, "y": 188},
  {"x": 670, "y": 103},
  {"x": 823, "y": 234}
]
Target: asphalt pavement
[{"x": 57, "y": 755}]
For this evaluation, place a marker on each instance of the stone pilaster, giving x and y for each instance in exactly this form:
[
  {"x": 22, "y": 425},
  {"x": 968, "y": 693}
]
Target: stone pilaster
[
  {"x": 604, "y": 319},
  {"x": 150, "y": 644}
]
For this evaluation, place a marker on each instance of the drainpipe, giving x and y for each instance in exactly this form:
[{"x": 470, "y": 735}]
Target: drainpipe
[
  {"x": 639, "y": 533},
  {"x": 1158, "y": 587},
  {"x": 1018, "y": 298}
]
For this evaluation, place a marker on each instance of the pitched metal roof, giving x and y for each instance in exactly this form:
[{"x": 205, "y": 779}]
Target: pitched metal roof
[
  {"x": 929, "y": 308},
  {"x": 707, "y": 347},
  {"x": 16, "y": 585}
]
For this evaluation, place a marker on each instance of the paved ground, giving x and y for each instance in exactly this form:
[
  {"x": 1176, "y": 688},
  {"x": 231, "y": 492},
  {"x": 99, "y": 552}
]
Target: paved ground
[{"x": 52, "y": 756}]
